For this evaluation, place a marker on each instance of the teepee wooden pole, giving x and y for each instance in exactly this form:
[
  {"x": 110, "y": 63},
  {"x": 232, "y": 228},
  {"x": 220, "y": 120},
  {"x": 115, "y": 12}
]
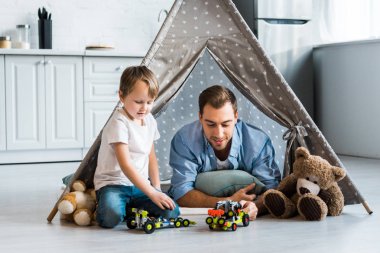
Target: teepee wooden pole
[
  {"x": 366, "y": 206},
  {"x": 54, "y": 211},
  {"x": 83, "y": 165}
]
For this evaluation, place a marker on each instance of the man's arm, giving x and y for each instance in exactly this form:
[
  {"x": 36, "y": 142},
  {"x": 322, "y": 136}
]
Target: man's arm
[
  {"x": 195, "y": 198},
  {"x": 185, "y": 166},
  {"x": 265, "y": 168}
]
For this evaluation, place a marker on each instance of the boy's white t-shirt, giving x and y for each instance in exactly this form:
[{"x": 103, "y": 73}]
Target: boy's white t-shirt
[{"x": 139, "y": 139}]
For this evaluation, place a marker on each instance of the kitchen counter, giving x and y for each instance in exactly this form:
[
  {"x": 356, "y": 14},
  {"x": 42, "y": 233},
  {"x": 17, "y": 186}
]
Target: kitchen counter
[
  {"x": 347, "y": 96},
  {"x": 110, "y": 53},
  {"x": 348, "y": 43}
]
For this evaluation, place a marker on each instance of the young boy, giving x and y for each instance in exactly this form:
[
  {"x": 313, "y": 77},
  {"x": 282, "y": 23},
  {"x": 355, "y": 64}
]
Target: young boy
[{"x": 127, "y": 157}]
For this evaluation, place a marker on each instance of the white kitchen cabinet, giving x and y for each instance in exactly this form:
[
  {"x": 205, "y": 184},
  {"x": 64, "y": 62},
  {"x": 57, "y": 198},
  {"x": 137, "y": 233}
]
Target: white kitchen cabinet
[
  {"x": 96, "y": 116},
  {"x": 64, "y": 102},
  {"x": 102, "y": 77},
  {"x": 101, "y": 85},
  {"x": 44, "y": 102},
  {"x": 53, "y": 104},
  {"x": 2, "y": 105},
  {"x": 25, "y": 102}
]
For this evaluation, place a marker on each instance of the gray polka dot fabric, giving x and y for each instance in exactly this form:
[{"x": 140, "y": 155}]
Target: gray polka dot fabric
[
  {"x": 201, "y": 43},
  {"x": 184, "y": 109},
  {"x": 193, "y": 27}
]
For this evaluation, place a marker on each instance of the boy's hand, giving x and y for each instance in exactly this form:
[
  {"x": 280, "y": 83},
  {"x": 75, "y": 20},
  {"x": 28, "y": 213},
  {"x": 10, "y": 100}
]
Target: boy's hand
[{"x": 162, "y": 200}]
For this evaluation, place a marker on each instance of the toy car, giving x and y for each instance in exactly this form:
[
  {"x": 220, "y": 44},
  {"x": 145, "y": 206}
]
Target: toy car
[
  {"x": 139, "y": 218},
  {"x": 227, "y": 214}
]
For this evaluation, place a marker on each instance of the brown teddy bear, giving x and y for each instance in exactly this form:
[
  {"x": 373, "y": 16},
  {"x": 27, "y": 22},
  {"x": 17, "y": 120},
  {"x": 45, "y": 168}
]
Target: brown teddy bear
[
  {"x": 311, "y": 189},
  {"x": 78, "y": 205}
]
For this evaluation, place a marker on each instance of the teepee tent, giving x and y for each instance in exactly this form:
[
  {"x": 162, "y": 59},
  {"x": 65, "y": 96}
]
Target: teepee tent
[{"x": 206, "y": 42}]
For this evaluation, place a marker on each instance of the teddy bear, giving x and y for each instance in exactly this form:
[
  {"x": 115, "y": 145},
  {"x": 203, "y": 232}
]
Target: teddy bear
[
  {"x": 311, "y": 190},
  {"x": 78, "y": 205}
]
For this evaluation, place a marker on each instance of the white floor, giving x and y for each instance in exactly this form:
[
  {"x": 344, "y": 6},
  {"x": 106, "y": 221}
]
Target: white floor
[{"x": 28, "y": 192}]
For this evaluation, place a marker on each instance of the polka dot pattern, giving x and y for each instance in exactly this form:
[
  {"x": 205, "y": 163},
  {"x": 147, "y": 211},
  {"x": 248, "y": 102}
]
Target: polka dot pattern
[
  {"x": 183, "y": 109},
  {"x": 193, "y": 25}
]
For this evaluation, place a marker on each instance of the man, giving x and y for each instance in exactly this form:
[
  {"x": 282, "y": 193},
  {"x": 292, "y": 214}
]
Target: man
[{"x": 219, "y": 141}]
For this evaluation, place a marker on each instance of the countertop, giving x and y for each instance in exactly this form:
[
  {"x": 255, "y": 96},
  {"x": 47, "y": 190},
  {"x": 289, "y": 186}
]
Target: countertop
[
  {"x": 112, "y": 53},
  {"x": 348, "y": 43}
]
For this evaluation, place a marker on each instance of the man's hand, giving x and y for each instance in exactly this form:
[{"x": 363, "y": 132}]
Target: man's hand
[
  {"x": 162, "y": 200},
  {"x": 250, "y": 208},
  {"x": 242, "y": 194}
]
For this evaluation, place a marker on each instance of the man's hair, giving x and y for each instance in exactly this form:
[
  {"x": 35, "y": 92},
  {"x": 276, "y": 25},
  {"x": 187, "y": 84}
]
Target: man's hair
[
  {"x": 217, "y": 96},
  {"x": 135, "y": 73}
]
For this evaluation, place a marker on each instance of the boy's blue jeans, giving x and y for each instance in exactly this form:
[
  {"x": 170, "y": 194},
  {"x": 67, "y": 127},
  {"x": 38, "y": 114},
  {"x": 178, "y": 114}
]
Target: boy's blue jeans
[{"x": 114, "y": 199}]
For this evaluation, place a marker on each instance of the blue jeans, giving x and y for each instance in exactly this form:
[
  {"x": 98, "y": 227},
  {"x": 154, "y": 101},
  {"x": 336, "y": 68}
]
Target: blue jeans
[{"x": 113, "y": 201}]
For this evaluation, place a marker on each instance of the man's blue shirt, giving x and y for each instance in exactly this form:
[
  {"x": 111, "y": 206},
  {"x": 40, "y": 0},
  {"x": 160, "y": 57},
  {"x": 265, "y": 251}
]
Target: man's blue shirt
[{"x": 191, "y": 153}]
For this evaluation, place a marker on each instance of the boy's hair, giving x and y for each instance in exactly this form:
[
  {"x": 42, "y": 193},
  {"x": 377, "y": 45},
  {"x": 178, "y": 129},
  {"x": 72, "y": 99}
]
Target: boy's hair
[
  {"x": 217, "y": 96},
  {"x": 135, "y": 73}
]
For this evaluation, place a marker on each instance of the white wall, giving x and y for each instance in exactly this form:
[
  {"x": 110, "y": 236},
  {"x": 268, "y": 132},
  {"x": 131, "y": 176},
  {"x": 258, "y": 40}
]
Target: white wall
[{"x": 129, "y": 25}]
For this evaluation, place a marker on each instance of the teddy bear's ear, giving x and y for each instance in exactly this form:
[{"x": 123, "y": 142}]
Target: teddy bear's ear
[
  {"x": 302, "y": 152},
  {"x": 339, "y": 173},
  {"x": 79, "y": 185}
]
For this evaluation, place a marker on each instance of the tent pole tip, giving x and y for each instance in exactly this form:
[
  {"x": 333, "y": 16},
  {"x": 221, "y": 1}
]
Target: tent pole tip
[{"x": 367, "y": 208}]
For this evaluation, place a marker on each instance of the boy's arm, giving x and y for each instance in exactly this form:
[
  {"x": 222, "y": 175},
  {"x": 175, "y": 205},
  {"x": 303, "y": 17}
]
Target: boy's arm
[
  {"x": 153, "y": 169},
  {"x": 160, "y": 199}
]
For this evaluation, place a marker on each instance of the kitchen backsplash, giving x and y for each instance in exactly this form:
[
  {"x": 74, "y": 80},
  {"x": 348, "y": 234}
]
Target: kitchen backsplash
[{"x": 128, "y": 25}]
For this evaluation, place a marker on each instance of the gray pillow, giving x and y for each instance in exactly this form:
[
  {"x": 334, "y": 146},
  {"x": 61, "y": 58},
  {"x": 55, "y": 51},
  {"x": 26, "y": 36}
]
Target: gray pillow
[
  {"x": 66, "y": 179},
  {"x": 224, "y": 183}
]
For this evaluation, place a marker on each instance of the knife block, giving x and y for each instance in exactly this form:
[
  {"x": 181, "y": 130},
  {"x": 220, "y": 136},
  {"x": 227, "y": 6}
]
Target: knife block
[{"x": 45, "y": 33}]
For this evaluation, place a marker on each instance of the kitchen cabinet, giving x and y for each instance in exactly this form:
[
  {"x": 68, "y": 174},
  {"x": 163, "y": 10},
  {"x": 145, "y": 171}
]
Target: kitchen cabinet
[
  {"x": 64, "y": 102},
  {"x": 44, "y": 102},
  {"x": 101, "y": 85},
  {"x": 53, "y": 103},
  {"x": 96, "y": 116},
  {"x": 2, "y": 105}
]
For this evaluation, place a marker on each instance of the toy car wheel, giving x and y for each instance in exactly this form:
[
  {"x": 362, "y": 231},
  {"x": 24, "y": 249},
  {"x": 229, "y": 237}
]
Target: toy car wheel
[
  {"x": 185, "y": 222},
  {"x": 131, "y": 224},
  {"x": 234, "y": 227},
  {"x": 230, "y": 213},
  {"x": 178, "y": 223},
  {"x": 149, "y": 227},
  {"x": 245, "y": 220},
  {"x": 208, "y": 220},
  {"x": 221, "y": 221}
]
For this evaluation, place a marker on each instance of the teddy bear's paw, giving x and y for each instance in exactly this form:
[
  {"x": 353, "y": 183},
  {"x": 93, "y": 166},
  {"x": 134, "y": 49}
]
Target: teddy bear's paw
[
  {"x": 82, "y": 217},
  {"x": 66, "y": 207},
  {"x": 278, "y": 204},
  {"x": 79, "y": 185},
  {"x": 312, "y": 207},
  {"x": 275, "y": 204}
]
